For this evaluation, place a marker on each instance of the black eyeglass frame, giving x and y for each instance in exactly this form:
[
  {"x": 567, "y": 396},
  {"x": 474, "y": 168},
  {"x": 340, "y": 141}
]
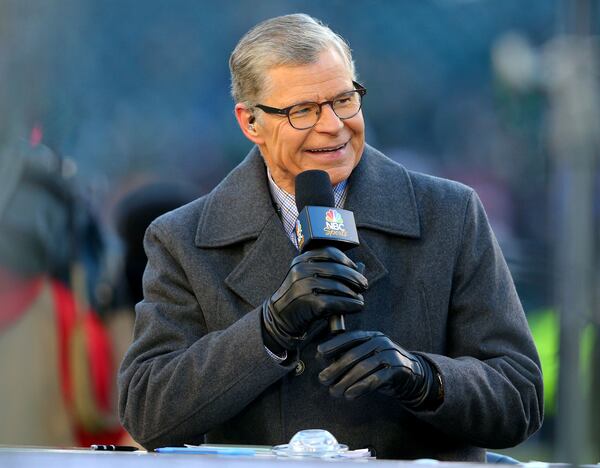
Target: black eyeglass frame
[{"x": 286, "y": 110}]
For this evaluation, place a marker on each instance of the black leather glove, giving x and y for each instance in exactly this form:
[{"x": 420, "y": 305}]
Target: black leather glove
[
  {"x": 368, "y": 360},
  {"x": 319, "y": 283}
]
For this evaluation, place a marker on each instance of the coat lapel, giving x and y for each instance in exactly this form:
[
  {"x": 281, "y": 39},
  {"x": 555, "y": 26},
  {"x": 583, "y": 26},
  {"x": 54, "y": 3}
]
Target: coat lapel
[
  {"x": 263, "y": 268},
  {"x": 240, "y": 209},
  {"x": 382, "y": 199}
]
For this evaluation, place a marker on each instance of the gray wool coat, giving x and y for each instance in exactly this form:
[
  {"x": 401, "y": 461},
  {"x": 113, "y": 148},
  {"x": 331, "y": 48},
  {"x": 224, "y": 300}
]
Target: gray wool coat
[{"x": 438, "y": 285}]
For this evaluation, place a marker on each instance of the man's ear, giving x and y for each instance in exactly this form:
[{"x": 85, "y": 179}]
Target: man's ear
[{"x": 248, "y": 124}]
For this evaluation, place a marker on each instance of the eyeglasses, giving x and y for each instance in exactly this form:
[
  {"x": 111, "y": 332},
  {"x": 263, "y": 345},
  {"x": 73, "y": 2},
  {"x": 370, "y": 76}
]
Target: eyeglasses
[{"x": 305, "y": 115}]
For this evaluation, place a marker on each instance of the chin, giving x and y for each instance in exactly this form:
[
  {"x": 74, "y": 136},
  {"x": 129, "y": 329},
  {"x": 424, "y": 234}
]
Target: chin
[{"x": 338, "y": 174}]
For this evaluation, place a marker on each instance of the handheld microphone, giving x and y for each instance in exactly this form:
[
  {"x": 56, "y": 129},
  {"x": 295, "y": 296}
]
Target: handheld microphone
[{"x": 320, "y": 224}]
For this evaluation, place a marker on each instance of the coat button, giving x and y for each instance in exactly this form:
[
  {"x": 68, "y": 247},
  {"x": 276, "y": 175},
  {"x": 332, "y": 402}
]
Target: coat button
[{"x": 299, "y": 370}]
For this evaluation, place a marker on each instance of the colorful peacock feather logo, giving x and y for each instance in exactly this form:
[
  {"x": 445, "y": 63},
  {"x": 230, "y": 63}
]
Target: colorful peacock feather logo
[
  {"x": 334, "y": 224},
  {"x": 332, "y": 216}
]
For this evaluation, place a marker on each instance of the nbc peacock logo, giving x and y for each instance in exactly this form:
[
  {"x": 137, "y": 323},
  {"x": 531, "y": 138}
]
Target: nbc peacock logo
[
  {"x": 334, "y": 224},
  {"x": 332, "y": 216}
]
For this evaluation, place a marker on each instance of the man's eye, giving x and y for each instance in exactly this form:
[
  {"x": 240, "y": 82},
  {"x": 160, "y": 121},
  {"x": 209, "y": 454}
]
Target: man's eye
[
  {"x": 299, "y": 111},
  {"x": 344, "y": 100}
]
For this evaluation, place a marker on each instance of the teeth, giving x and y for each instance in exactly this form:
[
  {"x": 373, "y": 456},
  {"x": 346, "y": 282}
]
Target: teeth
[{"x": 327, "y": 150}]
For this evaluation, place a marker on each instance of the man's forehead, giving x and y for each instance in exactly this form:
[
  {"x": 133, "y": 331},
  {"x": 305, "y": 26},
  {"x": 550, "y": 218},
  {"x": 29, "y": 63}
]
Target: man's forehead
[
  {"x": 322, "y": 79},
  {"x": 290, "y": 92}
]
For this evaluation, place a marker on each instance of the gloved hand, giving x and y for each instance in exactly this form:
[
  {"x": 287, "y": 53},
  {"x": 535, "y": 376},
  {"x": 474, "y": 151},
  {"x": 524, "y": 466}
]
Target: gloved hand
[
  {"x": 319, "y": 283},
  {"x": 368, "y": 360}
]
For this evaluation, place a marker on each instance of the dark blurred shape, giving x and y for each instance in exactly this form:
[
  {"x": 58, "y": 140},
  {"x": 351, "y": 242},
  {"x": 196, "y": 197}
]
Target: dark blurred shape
[
  {"x": 36, "y": 212},
  {"x": 134, "y": 213},
  {"x": 44, "y": 225},
  {"x": 61, "y": 392}
]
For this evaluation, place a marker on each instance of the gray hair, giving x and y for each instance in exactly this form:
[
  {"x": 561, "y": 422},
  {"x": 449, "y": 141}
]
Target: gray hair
[{"x": 295, "y": 39}]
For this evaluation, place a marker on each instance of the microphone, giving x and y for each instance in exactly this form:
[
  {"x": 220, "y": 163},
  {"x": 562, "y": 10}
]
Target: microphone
[{"x": 320, "y": 224}]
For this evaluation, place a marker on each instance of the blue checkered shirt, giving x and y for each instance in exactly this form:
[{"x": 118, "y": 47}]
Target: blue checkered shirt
[{"x": 286, "y": 204}]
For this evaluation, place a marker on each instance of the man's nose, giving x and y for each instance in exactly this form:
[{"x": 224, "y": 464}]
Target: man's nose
[{"x": 328, "y": 120}]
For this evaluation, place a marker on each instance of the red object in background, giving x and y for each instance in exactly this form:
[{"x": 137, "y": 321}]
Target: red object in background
[
  {"x": 36, "y": 135},
  {"x": 99, "y": 355},
  {"x": 16, "y": 297}
]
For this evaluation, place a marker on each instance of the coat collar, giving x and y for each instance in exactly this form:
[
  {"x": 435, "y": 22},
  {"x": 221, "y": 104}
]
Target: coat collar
[
  {"x": 240, "y": 208},
  {"x": 381, "y": 196}
]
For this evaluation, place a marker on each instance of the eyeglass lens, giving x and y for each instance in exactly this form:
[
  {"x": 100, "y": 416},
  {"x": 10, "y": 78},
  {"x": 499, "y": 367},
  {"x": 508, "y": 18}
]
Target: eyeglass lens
[{"x": 307, "y": 114}]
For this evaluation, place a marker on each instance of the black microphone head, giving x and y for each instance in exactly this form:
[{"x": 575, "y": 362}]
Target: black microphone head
[{"x": 313, "y": 188}]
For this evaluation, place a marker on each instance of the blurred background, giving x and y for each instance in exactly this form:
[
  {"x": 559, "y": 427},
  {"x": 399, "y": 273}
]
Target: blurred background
[{"x": 113, "y": 112}]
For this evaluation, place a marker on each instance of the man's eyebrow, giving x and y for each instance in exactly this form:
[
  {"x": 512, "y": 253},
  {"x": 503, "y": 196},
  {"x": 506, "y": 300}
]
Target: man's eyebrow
[{"x": 304, "y": 101}]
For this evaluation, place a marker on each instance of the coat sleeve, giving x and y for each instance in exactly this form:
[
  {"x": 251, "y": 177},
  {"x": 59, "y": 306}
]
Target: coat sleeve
[
  {"x": 174, "y": 382},
  {"x": 491, "y": 371}
]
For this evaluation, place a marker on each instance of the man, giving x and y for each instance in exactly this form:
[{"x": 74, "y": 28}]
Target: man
[{"x": 437, "y": 361}]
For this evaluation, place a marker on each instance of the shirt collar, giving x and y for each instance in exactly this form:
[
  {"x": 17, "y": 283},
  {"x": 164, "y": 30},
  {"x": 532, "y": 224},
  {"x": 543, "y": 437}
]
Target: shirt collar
[{"x": 286, "y": 204}]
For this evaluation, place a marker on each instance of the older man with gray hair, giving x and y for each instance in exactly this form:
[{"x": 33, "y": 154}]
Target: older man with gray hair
[{"x": 437, "y": 360}]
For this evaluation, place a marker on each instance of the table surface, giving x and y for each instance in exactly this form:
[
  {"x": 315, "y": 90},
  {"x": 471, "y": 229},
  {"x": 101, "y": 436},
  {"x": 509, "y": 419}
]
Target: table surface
[{"x": 29, "y": 457}]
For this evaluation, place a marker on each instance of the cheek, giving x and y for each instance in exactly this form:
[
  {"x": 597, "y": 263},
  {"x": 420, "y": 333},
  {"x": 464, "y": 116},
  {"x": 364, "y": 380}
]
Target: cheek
[
  {"x": 358, "y": 145},
  {"x": 286, "y": 150},
  {"x": 291, "y": 144},
  {"x": 358, "y": 125},
  {"x": 358, "y": 139},
  {"x": 284, "y": 136}
]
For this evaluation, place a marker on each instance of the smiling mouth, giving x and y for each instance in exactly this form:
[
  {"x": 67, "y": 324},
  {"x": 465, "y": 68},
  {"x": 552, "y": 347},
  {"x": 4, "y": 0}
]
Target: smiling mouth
[{"x": 330, "y": 149}]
